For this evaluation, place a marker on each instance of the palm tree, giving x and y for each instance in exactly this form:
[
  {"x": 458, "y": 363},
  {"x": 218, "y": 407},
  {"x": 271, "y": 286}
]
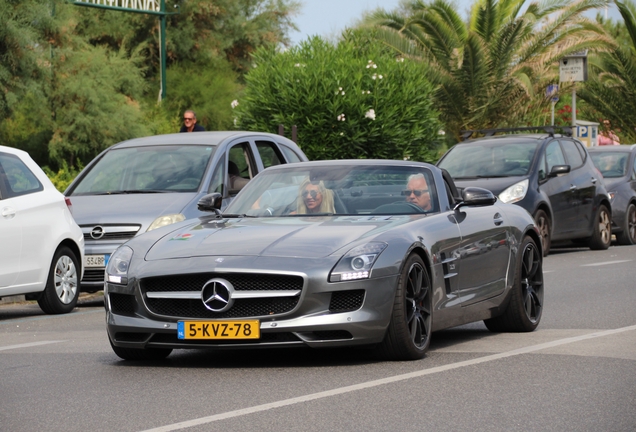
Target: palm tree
[
  {"x": 612, "y": 88},
  {"x": 491, "y": 70}
]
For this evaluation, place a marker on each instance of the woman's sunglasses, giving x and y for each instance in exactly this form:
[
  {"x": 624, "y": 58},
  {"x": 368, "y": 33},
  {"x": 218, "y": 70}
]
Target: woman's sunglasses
[{"x": 313, "y": 193}]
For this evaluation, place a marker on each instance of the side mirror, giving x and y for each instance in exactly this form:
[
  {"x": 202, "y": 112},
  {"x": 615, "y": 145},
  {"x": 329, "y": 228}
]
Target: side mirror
[
  {"x": 559, "y": 169},
  {"x": 474, "y": 196},
  {"x": 210, "y": 202}
]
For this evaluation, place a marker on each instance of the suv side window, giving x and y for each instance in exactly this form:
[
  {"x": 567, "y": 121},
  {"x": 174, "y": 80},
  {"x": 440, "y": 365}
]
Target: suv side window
[
  {"x": 241, "y": 166},
  {"x": 572, "y": 154},
  {"x": 269, "y": 153},
  {"x": 17, "y": 179}
]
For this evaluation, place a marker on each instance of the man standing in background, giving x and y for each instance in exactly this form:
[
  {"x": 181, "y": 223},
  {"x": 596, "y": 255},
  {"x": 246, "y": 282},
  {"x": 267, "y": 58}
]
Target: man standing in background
[{"x": 190, "y": 123}]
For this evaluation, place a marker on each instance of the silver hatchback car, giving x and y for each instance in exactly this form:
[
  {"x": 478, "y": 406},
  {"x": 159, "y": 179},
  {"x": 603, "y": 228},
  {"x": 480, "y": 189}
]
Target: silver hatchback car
[{"x": 146, "y": 183}]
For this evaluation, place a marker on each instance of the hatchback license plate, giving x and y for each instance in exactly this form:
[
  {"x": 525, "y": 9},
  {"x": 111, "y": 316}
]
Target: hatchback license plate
[
  {"x": 96, "y": 260},
  {"x": 248, "y": 329}
]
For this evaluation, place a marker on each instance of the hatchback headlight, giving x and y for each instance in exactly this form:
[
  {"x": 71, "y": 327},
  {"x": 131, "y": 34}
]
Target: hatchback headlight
[
  {"x": 515, "y": 193},
  {"x": 118, "y": 265},
  {"x": 162, "y": 221},
  {"x": 357, "y": 263}
]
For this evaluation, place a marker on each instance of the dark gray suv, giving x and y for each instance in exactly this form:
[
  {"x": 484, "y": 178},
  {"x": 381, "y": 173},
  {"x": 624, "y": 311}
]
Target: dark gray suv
[
  {"x": 146, "y": 183},
  {"x": 550, "y": 175}
]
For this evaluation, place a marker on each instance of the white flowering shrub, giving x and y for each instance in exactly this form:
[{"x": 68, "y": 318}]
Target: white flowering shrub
[{"x": 354, "y": 100}]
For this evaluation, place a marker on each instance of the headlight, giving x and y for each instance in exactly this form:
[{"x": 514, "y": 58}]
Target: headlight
[
  {"x": 162, "y": 221},
  {"x": 357, "y": 263},
  {"x": 118, "y": 265},
  {"x": 515, "y": 193}
]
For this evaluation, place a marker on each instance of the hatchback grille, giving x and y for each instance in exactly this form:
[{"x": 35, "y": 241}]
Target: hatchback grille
[
  {"x": 93, "y": 275},
  {"x": 110, "y": 232}
]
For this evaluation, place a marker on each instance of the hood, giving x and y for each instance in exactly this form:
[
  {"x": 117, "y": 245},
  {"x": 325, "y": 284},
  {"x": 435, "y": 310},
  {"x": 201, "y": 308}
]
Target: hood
[
  {"x": 611, "y": 184},
  {"x": 300, "y": 237},
  {"x": 140, "y": 209},
  {"x": 496, "y": 185}
]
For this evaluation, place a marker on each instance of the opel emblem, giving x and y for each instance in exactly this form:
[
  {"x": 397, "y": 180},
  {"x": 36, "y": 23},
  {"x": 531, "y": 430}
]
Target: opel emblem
[
  {"x": 97, "y": 232},
  {"x": 217, "y": 295}
]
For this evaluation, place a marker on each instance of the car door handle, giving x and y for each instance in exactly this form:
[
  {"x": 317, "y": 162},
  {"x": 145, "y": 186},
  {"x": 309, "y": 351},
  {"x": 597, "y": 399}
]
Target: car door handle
[
  {"x": 498, "y": 219},
  {"x": 8, "y": 213},
  {"x": 572, "y": 187},
  {"x": 593, "y": 180}
]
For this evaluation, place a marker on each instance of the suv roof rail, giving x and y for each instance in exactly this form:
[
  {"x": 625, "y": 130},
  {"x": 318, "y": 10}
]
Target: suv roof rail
[{"x": 567, "y": 130}]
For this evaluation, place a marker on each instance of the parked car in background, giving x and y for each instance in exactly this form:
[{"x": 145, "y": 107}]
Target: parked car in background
[
  {"x": 616, "y": 163},
  {"x": 41, "y": 246},
  {"x": 550, "y": 175},
  {"x": 146, "y": 183},
  {"x": 328, "y": 254}
]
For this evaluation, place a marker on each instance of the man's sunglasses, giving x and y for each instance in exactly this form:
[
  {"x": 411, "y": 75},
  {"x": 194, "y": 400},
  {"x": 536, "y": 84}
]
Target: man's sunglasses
[
  {"x": 188, "y": 118},
  {"x": 417, "y": 192},
  {"x": 313, "y": 193}
]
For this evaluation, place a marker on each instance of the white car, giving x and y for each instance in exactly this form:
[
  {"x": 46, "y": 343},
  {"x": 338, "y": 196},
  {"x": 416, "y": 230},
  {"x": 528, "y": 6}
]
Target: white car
[{"x": 41, "y": 246}]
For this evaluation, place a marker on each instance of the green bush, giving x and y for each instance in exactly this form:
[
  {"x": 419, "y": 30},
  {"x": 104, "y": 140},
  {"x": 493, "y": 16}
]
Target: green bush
[
  {"x": 63, "y": 177},
  {"x": 354, "y": 100}
]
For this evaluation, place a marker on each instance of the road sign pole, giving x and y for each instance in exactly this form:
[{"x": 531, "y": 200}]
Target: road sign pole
[
  {"x": 162, "y": 29},
  {"x": 574, "y": 106},
  {"x": 552, "y": 118}
]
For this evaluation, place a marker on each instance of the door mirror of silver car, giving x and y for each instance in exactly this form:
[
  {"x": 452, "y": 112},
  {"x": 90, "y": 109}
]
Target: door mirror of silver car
[
  {"x": 210, "y": 202},
  {"x": 559, "y": 169},
  {"x": 474, "y": 196}
]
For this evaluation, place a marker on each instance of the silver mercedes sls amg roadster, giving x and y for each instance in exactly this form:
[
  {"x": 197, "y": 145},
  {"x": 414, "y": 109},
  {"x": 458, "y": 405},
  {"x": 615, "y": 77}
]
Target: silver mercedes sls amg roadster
[{"x": 327, "y": 254}]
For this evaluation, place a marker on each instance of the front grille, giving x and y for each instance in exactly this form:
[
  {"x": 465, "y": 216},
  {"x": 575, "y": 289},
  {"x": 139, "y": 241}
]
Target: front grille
[
  {"x": 122, "y": 304},
  {"x": 346, "y": 301},
  {"x": 171, "y": 338},
  {"x": 111, "y": 232},
  {"x": 189, "y": 308},
  {"x": 240, "y": 282},
  {"x": 93, "y": 275}
]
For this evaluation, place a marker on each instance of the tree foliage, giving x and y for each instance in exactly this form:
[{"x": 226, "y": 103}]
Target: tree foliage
[
  {"x": 492, "y": 70},
  {"x": 353, "y": 100},
  {"x": 75, "y": 80}
]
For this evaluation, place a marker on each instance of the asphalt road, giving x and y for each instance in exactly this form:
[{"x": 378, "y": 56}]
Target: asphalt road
[{"x": 577, "y": 372}]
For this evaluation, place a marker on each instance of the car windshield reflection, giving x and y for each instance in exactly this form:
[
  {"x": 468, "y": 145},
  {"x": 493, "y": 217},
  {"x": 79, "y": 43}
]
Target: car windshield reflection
[
  {"x": 325, "y": 190},
  {"x": 610, "y": 164},
  {"x": 488, "y": 160},
  {"x": 149, "y": 169}
]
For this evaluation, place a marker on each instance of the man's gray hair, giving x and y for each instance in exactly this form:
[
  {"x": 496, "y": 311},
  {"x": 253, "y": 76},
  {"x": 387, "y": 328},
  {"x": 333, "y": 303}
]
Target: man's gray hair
[
  {"x": 416, "y": 176},
  {"x": 193, "y": 113}
]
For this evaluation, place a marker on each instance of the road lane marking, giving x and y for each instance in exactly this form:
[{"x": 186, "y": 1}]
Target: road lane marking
[
  {"x": 604, "y": 263},
  {"x": 383, "y": 381},
  {"x": 29, "y": 345}
]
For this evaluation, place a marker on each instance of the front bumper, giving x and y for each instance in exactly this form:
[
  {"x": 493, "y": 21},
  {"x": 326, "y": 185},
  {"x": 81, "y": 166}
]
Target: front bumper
[{"x": 313, "y": 322}]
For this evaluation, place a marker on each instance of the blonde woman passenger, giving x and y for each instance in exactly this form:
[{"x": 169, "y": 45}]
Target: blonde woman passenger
[{"x": 314, "y": 197}]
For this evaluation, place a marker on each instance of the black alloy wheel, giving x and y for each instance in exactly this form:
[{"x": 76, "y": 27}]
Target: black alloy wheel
[
  {"x": 524, "y": 310},
  {"x": 409, "y": 333}
]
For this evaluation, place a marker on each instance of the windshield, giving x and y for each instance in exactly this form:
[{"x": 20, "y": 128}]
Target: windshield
[
  {"x": 489, "y": 159},
  {"x": 147, "y": 170},
  {"x": 610, "y": 164},
  {"x": 338, "y": 189}
]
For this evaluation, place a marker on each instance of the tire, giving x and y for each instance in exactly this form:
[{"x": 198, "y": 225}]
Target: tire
[
  {"x": 409, "y": 333},
  {"x": 545, "y": 230},
  {"x": 602, "y": 229},
  {"x": 63, "y": 283},
  {"x": 525, "y": 307},
  {"x": 140, "y": 354},
  {"x": 628, "y": 235}
]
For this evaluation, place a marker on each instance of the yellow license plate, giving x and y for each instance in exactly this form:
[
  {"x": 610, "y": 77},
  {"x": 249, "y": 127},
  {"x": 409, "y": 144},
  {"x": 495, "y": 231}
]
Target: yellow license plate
[{"x": 247, "y": 329}]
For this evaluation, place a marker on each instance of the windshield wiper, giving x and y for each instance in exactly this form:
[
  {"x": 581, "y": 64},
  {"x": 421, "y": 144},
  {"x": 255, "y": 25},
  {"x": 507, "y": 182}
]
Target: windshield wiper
[
  {"x": 132, "y": 191},
  {"x": 236, "y": 215}
]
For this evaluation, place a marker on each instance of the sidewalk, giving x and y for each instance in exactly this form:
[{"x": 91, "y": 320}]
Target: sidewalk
[{"x": 20, "y": 298}]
